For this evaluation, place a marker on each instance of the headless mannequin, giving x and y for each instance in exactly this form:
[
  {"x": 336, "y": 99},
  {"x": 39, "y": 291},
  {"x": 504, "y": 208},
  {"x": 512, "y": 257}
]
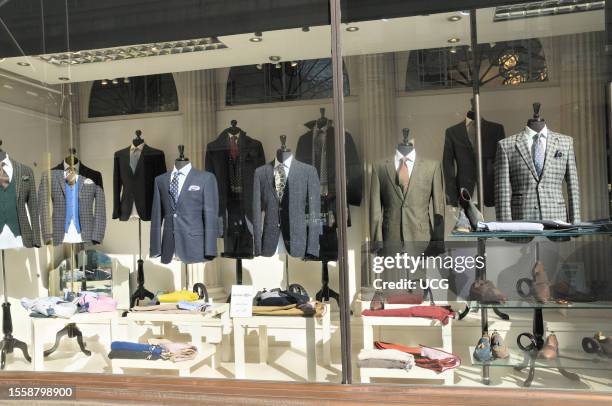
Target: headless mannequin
[
  {"x": 137, "y": 141},
  {"x": 407, "y": 145},
  {"x": 234, "y": 129},
  {"x": 283, "y": 153},
  {"x": 322, "y": 121},
  {"x": 536, "y": 123},
  {"x": 181, "y": 161}
]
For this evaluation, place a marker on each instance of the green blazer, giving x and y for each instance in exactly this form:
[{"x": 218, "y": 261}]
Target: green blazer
[{"x": 406, "y": 222}]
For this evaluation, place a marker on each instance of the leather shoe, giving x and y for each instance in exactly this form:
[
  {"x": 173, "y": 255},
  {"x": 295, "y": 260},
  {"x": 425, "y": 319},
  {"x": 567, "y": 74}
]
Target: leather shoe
[
  {"x": 484, "y": 291},
  {"x": 540, "y": 282},
  {"x": 550, "y": 350},
  {"x": 498, "y": 347},
  {"x": 463, "y": 224},
  {"x": 482, "y": 352},
  {"x": 471, "y": 211}
]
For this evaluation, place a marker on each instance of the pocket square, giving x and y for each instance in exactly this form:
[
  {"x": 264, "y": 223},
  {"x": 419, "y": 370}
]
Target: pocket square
[
  {"x": 25, "y": 178},
  {"x": 558, "y": 154},
  {"x": 88, "y": 181},
  {"x": 193, "y": 188}
]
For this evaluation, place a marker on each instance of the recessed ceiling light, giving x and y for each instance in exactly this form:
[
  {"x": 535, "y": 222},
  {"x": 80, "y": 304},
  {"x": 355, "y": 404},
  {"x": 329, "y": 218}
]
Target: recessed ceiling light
[
  {"x": 352, "y": 28},
  {"x": 453, "y": 40},
  {"x": 115, "y": 81},
  {"x": 257, "y": 37},
  {"x": 126, "y": 80},
  {"x": 104, "y": 82},
  {"x": 23, "y": 64},
  {"x": 64, "y": 78},
  {"x": 306, "y": 29},
  {"x": 454, "y": 18},
  {"x": 278, "y": 65},
  {"x": 384, "y": 20},
  {"x": 453, "y": 50},
  {"x": 294, "y": 64},
  {"x": 275, "y": 58},
  {"x": 259, "y": 66}
]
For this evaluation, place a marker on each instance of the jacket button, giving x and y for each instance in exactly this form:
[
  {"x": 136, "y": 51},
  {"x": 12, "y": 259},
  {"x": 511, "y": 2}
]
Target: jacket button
[{"x": 175, "y": 215}]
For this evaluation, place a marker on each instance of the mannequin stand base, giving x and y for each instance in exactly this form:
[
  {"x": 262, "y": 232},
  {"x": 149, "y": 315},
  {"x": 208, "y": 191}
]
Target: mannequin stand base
[
  {"x": 140, "y": 294},
  {"x": 72, "y": 331},
  {"x": 9, "y": 343},
  {"x": 326, "y": 293}
]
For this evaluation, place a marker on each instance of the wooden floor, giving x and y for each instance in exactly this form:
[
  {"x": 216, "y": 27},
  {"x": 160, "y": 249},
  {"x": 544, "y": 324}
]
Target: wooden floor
[{"x": 105, "y": 389}]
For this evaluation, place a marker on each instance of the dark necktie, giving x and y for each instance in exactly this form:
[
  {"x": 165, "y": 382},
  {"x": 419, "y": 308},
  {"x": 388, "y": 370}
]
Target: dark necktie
[
  {"x": 403, "y": 175},
  {"x": 4, "y": 178},
  {"x": 280, "y": 180},
  {"x": 233, "y": 147},
  {"x": 174, "y": 187}
]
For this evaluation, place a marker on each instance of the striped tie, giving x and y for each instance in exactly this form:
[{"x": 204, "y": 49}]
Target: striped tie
[{"x": 538, "y": 153}]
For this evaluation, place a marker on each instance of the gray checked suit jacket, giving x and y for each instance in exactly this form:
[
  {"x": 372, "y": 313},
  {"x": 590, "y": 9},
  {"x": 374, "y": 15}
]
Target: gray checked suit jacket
[
  {"x": 191, "y": 227},
  {"x": 520, "y": 195},
  {"x": 25, "y": 186},
  {"x": 52, "y": 208},
  {"x": 304, "y": 196}
]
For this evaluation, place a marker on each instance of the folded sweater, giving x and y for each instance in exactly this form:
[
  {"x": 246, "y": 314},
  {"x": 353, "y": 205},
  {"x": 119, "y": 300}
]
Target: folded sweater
[{"x": 441, "y": 313}]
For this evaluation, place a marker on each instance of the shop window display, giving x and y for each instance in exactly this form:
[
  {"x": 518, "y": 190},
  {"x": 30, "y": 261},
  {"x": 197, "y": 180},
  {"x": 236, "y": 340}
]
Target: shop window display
[{"x": 456, "y": 200}]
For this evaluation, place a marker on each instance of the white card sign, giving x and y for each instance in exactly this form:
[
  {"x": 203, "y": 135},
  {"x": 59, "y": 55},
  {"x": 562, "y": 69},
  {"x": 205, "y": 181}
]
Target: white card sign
[{"x": 242, "y": 301}]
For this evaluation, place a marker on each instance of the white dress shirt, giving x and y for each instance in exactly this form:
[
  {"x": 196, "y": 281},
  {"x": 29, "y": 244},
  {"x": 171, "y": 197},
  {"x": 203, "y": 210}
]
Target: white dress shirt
[
  {"x": 134, "y": 213},
  {"x": 410, "y": 163},
  {"x": 280, "y": 248},
  {"x": 72, "y": 236},
  {"x": 530, "y": 134},
  {"x": 7, "y": 238},
  {"x": 183, "y": 172}
]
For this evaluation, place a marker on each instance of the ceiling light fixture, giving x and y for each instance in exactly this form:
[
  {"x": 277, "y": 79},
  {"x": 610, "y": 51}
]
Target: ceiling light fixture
[
  {"x": 115, "y": 82},
  {"x": 453, "y": 50},
  {"x": 278, "y": 65},
  {"x": 453, "y": 40},
  {"x": 465, "y": 12},
  {"x": 306, "y": 29},
  {"x": 135, "y": 51},
  {"x": 126, "y": 80},
  {"x": 384, "y": 20},
  {"x": 257, "y": 37},
  {"x": 454, "y": 18},
  {"x": 23, "y": 64},
  {"x": 294, "y": 64},
  {"x": 275, "y": 58},
  {"x": 545, "y": 8},
  {"x": 352, "y": 28},
  {"x": 259, "y": 66},
  {"x": 104, "y": 82},
  {"x": 64, "y": 78}
]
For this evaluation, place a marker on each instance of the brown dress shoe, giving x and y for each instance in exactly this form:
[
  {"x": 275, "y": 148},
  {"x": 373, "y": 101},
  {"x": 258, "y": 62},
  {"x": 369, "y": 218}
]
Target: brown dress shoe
[
  {"x": 540, "y": 283},
  {"x": 498, "y": 347},
  {"x": 550, "y": 350},
  {"x": 486, "y": 292}
]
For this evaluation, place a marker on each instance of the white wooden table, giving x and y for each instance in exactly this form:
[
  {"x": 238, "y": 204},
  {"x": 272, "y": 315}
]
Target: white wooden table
[
  {"x": 44, "y": 331},
  {"x": 183, "y": 367},
  {"x": 212, "y": 327},
  {"x": 263, "y": 323},
  {"x": 371, "y": 332}
]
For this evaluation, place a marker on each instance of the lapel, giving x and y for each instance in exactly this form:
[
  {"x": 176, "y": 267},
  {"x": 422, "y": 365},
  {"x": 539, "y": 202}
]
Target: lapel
[
  {"x": 17, "y": 177},
  {"x": 464, "y": 137},
  {"x": 414, "y": 175},
  {"x": 80, "y": 182},
  {"x": 185, "y": 187},
  {"x": 270, "y": 177},
  {"x": 392, "y": 173},
  {"x": 551, "y": 148},
  {"x": 60, "y": 175},
  {"x": 523, "y": 149},
  {"x": 139, "y": 164},
  {"x": 242, "y": 148},
  {"x": 166, "y": 190}
]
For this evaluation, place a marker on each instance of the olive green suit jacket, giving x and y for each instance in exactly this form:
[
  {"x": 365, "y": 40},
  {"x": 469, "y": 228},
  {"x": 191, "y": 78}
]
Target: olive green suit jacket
[{"x": 407, "y": 222}]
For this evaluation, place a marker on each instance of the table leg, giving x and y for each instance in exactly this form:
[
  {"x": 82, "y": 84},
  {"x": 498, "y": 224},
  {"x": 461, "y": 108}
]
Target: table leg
[
  {"x": 263, "y": 344},
  {"x": 311, "y": 349},
  {"x": 326, "y": 337},
  {"x": 368, "y": 334},
  {"x": 38, "y": 341},
  {"x": 239, "y": 367}
]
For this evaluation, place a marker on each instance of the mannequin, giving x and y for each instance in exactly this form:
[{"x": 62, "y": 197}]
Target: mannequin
[
  {"x": 138, "y": 139},
  {"x": 322, "y": 121},
  {"x": 234, "y": 129},
  {"x": 407, "y": 145},
  {"x": 283, "y": 153},
  {"x": 181, "y": 161},
  {"x": 471, "y": 114},
  {"x": 71, "y": 160},
  {"x": 536, "y": 123}
]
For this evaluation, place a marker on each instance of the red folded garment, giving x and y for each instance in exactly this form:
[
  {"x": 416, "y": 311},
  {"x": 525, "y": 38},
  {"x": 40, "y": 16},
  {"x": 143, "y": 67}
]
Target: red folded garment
[
  {"x": 441, "y": 362},
  {"x": 441, "y": 313}
]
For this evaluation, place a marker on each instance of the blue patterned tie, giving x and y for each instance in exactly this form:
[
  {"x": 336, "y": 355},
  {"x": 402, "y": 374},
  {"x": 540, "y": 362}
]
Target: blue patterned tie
[
  {"x": 538, "y": 154},
  {"x": 174, "y": 191}
]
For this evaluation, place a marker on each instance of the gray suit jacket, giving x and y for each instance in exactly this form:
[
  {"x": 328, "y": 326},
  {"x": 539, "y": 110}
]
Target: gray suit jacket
[
  {"x": 190, "y": 228},
  {"x": 407, "y": 222},
  {"x": 304, "y": 196},
  {"x": 25, "y": 186},
  {"x": 520, "y": 195},
  {"x": 52, "y": 208}
]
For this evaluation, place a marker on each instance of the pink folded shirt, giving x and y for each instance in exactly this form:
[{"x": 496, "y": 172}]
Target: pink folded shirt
[{"x": 98, "y": 303}]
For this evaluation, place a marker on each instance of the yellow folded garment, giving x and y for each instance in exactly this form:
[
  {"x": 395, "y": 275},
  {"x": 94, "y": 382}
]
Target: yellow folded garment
[
  {"x": 289, "y": 310},
  {"x": 177, "y": 296}
]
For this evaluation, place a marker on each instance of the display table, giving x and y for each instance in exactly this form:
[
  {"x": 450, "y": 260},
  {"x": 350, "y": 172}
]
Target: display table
[
  {"x": 183, "y": 367},
  {"x": 263, "y": 323},
  {"x": 210, "y": 327},
  {"x": 371, "y": 332},
  {"x": 44, "y": 331}
]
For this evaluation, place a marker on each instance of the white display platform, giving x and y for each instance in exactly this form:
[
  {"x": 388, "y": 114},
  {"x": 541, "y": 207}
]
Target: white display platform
[
  {"x": 263, "y": 323},
  {"x": 44, "y": 331},
  {"x": 371, "y": 329}
]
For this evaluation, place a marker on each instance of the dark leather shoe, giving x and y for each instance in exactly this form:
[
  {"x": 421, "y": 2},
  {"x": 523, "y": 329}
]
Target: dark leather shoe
[
  {"x": 470, "y": 209},
  {"x": 605, "y": 343},
  {"x": 486, "y": 292},
  {"x": 550, "y": 350},
  {"x": 540, "y": 283},
  {"x": 378, "y": 301}
]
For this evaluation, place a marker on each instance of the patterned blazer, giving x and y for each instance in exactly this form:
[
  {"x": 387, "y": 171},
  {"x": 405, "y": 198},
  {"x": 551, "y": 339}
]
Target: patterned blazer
[
  {"x": 520, "y": 195},
  {"x": 52, "y": 208},
  {"x": 26, "y": 196}
]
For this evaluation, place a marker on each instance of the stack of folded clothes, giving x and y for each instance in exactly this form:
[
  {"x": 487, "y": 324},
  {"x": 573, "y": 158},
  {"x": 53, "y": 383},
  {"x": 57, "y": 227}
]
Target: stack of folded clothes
[
  {"x": 179, "y": 308},
  {"x": 388, "y": 358},
  {"x": 425, "y": 357},
  {"x": 92, "y": 302},
  {"x": 49, "y": 307},
  {"x": 178, "y": 296},
  {"x": 441, "y": 313},
  {"x": 175, "y": 352},
  {"x": 128, "y": 350},
  {"x": 308, "y": 309}
]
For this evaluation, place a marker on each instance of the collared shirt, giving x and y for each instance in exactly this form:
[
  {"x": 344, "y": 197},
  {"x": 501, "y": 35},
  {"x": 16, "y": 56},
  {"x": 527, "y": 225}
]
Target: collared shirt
[
  {"x": 72, "y": 233},
  {"x": 411, "y": 157},
  {"x": 280, "y": 248},
  {"x": 183, "y": 172},
  {"x": 529, "y": 133},
  {"x": 7, "y": 238},
  {"x": 133, "y": 148}
]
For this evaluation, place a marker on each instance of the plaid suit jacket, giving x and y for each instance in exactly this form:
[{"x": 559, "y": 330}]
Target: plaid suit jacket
[
  {"x": 92, "y": 208},
  {"x": 521, "y": 195},
  {"x": 26, "y": 196}
]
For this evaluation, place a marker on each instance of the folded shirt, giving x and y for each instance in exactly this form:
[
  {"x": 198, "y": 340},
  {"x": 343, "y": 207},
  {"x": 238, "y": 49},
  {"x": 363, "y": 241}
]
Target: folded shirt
[
  {"x": 310, "y": 309},
  {"x": 384, "y": 363},
  {"x": 192, "y": 306},
  {"x": 177, "y": 296},
  {"x": 517, "y": 226},
  {"x": 425, "y": 357},
  {"x": 127, "y": 354},
  {"x": 175, "y": 352},
  {"x": 50, "y": 307},
  {"x": 441, "y": 313},
  {"x": 152, "y": 351},
  {"x": 386, "y": 354},
  {"x": 96, "y": 303}
]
